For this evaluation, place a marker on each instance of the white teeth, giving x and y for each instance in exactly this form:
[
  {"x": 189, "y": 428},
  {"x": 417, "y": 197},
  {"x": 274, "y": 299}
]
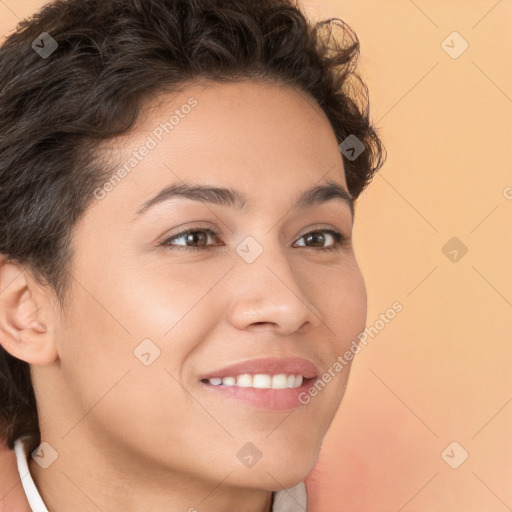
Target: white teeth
[
  {"x": 244, "y": 381},
  {"x": 260, "y": 381},
  {"x": 280, "y": 381}
]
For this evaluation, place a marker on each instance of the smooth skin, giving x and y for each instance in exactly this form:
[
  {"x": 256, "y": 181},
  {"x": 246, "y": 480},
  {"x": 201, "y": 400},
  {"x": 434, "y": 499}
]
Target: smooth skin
[{"x": 131, "y": 437}]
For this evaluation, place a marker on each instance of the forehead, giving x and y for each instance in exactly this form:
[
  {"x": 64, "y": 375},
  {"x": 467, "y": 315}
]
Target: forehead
[{"x": 262, "y": 138}]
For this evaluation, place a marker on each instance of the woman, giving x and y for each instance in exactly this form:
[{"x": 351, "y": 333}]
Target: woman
[{"x": 178, "y": 281}]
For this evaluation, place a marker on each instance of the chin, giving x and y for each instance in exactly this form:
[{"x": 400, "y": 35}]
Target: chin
[
  {"x": 279, "y": 470},
  {"x": 277, "y": 479}
]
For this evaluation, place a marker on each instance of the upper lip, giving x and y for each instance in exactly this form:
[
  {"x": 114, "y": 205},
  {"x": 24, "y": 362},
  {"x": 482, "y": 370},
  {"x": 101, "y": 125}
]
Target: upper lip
[{"x": 269, "y": 366}]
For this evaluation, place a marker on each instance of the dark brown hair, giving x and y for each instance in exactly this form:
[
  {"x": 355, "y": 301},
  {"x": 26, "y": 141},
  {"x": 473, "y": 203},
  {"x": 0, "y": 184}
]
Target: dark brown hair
[{"x": 110, "y": 58}]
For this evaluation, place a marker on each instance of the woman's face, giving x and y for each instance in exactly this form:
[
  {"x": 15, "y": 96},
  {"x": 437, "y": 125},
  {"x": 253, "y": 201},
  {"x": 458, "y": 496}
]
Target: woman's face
[{"x": 154, "y": 312}]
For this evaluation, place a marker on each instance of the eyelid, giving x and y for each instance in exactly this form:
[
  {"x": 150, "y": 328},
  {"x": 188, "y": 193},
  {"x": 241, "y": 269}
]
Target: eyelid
[
  {"x": 340, "y": 238},
  {"x": 214, "y": 233},
  {"x": 323, "y": 227}
]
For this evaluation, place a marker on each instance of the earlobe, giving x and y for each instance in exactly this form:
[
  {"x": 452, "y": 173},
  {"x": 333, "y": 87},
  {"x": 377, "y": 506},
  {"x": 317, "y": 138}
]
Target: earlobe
[{"x": 24, "y": 323}]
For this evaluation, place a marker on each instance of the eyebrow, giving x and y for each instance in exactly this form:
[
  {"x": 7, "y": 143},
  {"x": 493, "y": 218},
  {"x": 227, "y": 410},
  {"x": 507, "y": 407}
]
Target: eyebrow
[{"x": 237, "y": 200}]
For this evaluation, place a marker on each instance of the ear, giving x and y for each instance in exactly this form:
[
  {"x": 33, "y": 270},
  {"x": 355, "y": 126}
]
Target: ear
[{"x": 25, "y": 316}]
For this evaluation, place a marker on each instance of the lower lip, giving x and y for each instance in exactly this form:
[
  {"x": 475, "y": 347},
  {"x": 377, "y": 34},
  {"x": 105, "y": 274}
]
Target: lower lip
[{"x": 268, "y": 399}]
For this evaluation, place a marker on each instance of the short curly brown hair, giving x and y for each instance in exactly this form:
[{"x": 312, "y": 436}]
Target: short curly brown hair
[{"x": 110, "y": 58}]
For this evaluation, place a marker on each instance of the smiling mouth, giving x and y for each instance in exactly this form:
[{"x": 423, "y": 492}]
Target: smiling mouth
[{"x": 260, "y": 381}]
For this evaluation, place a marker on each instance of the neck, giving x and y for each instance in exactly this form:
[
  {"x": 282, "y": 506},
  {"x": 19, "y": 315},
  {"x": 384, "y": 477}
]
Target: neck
[{"x": 83, "y": 478}]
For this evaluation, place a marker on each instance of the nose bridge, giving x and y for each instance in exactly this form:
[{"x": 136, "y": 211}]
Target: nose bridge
[
  {"x": 267, "y": 261},
  {"x": 269, "y": 288}
]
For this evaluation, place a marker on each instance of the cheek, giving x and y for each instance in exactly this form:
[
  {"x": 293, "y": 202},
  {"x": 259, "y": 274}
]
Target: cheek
[
  {"x": 103, "y": 349},
  {"x": 339, "y": 295},
  {"x": 169, "y": 311},
  {"x": 162, "y": 297},
  {"x": 342, "y": 301},
  {"x": 353, "y": 305},
  {"x": 95, "y": 346}
]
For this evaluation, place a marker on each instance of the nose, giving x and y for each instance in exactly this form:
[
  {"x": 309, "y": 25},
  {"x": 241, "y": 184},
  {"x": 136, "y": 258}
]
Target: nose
[{"x": 268, "y": 295}]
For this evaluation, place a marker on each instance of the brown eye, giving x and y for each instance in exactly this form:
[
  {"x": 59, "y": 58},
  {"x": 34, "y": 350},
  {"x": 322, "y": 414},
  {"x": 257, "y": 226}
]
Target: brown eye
[
  {"x": 196, "y": 238},
  {"x": 191, "y": 239},
  {"x": 318, "y": 238}
]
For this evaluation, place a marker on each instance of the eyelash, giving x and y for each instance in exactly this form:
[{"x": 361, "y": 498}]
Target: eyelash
[{"x": 339, "y": 239}]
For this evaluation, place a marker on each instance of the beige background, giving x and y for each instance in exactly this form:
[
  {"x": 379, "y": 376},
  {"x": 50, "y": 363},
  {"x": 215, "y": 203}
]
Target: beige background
[{"x": 440, "y": 371}]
